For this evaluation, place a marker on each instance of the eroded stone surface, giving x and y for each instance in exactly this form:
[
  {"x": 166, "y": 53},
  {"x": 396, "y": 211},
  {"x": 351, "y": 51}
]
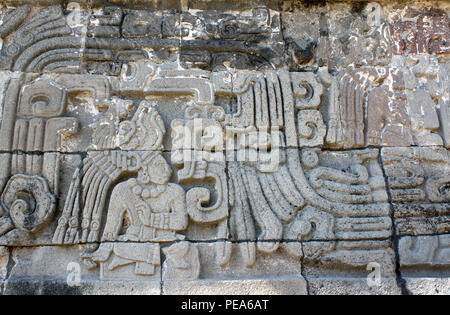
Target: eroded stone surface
[{"x": 191, "y": 150}]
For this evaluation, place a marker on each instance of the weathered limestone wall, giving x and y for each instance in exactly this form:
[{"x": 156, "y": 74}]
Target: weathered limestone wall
[{"x": 224, "y": 147}]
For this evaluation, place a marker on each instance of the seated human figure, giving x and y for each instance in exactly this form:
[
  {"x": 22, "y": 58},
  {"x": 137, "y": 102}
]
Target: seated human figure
[{"x": 143, "y": 212}]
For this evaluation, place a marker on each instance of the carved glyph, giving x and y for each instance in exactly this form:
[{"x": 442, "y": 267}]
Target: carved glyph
[
  {"x": 417, "y": 174},
  {"x": 406, "y": 113},
  {"x": 420, "y": 31}
]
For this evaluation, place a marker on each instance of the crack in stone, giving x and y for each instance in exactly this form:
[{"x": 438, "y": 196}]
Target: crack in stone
[{"x": 394, "y": 239}]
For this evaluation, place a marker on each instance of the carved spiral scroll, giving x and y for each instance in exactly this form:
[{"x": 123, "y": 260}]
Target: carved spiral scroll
[
  {"x": 196, "y": 197},
  {"x": 438, "y": 188},
  {"x": 311, "y": 128},
  {"x": 316, "y": 228},
  {"x": 29, "y": 202}
]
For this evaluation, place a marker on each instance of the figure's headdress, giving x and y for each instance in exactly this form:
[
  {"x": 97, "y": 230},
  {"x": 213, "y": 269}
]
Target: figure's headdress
[{"x": 144, "y": 132}]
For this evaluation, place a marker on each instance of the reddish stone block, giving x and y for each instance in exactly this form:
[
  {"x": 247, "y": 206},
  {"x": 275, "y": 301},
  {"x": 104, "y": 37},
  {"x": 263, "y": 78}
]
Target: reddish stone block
[{"x": 417, "y": 31}]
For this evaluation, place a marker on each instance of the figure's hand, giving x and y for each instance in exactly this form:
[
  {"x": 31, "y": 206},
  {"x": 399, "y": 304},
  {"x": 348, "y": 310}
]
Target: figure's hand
[{"x": 144, "y": 213}]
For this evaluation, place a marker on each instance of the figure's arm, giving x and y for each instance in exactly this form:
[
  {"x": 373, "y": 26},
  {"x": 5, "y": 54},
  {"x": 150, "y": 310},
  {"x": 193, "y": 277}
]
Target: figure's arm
[
  {"x": 176, "y": 219},
  {"x": 116, "y": 211}
]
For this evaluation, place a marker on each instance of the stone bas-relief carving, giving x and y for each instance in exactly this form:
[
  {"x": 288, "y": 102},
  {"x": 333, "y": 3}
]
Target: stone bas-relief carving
[
  {"x": 188, "y": 150},
  {"x": 408, "y": 115},
  {"x": 96, "y": 41},
  {"x": 418, "y": 182},
  {"x": 429, "y": 33}
]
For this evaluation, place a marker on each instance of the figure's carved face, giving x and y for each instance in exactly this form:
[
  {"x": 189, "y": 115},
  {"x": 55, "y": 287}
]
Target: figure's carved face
[{"x": 157, "y": 172}]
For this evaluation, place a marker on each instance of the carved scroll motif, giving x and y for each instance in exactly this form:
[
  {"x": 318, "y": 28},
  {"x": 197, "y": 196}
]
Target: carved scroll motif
[
  {"x": 311, "y": 128},
  {"x": 412, "y": 174},
  {"x": 28, "y": 203},
  {"x": 29, "y": 196},
  {"x": 198, "y": 146},
  {"x": 309, "y": 226}
]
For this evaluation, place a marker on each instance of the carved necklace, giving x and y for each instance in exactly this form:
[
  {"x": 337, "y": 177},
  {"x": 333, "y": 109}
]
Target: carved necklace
[{"x": 146, "y": 191}]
